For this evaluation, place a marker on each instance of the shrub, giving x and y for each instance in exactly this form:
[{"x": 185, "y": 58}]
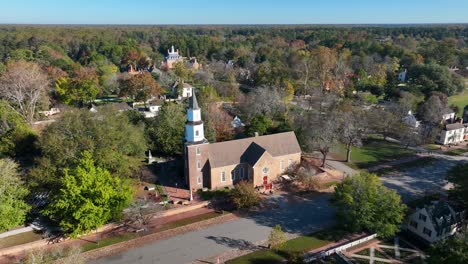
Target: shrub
[{"x": 244, "y": 195}]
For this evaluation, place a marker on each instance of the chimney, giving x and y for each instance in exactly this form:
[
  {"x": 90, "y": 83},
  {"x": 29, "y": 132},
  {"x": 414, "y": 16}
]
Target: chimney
[{"x": 256, "y": 134}]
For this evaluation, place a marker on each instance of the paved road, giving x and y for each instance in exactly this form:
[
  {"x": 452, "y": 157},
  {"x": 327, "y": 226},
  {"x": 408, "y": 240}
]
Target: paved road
[
  {"x": 295, "y": 217},
  {"x": 417, "y": 181}
]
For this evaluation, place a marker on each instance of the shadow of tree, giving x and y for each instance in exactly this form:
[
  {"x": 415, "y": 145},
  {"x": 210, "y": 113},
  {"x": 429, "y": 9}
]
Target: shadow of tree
[{"x": 234, "y": 243}]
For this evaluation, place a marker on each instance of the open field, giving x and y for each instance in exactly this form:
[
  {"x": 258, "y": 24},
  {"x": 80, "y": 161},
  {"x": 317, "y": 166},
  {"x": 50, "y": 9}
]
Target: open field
[
  {"x": 460, "y": 100},
  {"x": 373, "y": 152}
]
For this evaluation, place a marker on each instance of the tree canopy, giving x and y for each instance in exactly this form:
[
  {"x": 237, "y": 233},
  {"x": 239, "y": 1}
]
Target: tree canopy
[
  {"x": 453, "y": 250},
  {"x": 115, "y": 144},
  {"x": 88, "y": 198},
  {"x": 13, "y": 207},
  {"x": 364, "y": 204}
]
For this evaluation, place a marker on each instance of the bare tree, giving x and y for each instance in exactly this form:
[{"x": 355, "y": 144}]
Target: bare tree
[
  {"x": 351, "y": 128},
  {"x": 23, "y": 85}
]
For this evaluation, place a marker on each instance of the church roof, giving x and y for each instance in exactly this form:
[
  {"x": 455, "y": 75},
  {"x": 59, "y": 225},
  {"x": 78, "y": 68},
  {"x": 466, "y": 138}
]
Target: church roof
[
  {"x": 249, "y": 150},
  {"x": 193, "y": 104}
]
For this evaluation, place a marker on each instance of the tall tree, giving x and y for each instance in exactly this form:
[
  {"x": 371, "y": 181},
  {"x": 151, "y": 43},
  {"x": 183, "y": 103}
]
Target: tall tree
[
  {"x": 364, "y": 204},
  {"x": 351, "y": 128},
  {"x": 24, "y": 86},
  {"x": 139, "y": 87},
  {"x": 166, "y": 131},
  {"x": 16, "y": 137},
  {"x": 453, "y": 250},
  {"x": 115, "y": 143},
  {"x": 88, "y": 198},
  {"x": 82, "y": 88},
  {"x": 457, "y": 175},
  {"x": 13, "y": 207}
]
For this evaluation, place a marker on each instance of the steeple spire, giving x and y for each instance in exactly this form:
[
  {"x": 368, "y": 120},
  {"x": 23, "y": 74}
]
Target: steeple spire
[{"x": 193, "y": 104}]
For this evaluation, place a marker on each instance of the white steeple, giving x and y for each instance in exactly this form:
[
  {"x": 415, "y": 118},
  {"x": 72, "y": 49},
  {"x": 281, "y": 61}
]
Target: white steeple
[{"x": 194, "y": 132}]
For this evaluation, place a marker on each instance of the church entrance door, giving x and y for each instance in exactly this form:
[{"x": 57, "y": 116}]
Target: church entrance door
[{"x": 265, "y": 180}]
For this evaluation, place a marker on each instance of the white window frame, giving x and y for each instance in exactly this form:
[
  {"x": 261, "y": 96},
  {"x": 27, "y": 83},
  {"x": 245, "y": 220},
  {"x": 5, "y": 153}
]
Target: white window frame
[
  {"x": 198, "y": 151},
  {"x": 199, "y": 179},
  {"x": 198, "y": 164},
  {"x": 223, "y": 176},
  {"x": 197, "y": 133},
  {"x": 290, "y": 163},
  {"x": 282, "y": 165}
]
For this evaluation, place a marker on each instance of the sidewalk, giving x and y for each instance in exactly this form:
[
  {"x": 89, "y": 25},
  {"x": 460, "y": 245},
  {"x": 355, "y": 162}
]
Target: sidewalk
[
  {"x": 19, "y": 231},
  {"x": 15, "y": 253}
]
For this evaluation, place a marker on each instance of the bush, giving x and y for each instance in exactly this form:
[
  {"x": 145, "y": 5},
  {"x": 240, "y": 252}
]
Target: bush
[
  {"x": 244, "y": 195},
  {"x": 276, "y": 238}
]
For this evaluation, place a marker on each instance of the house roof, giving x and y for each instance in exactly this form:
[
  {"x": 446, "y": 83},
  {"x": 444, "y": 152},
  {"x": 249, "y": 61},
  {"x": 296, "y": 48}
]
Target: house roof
[
  {"x": 443, "y": 215},
  {"x": 249, "y": 150},
  {"x": 454, "y": 126}
]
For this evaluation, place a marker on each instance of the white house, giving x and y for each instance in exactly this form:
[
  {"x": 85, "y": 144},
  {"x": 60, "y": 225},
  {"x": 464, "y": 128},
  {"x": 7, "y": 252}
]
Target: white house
[
  {"x": 186, "y": 90},
  {"x": 451, "y": 134},
  {"x": 237, "y": 122},
  {"x": 402, "y": 76},
  {"x": 411, "y": 120},
  {"x": 435, "y": 221}
]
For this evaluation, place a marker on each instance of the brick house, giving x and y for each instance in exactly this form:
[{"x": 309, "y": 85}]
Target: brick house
[{"x": 259, "y": 159}]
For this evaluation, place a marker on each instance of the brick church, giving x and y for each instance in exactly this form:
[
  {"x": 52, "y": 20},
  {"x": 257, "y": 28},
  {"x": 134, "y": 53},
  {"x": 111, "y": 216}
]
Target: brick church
[{"x": 259, "y": 159}]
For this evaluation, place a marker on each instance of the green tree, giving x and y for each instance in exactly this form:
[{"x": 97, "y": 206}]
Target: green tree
[
  {"x": 259, "y": 124},
  {"x": 166, "y": 131},
  {"x": 16, "y": 137},
  {"x": 457, "y": 176},
  {"x": 13, "y": 208},
  {"x": 82, "y": 88},
  {"x": 115, "y": 143},
  {"x": 88, "y": 198},
  {"x": 364, "y": 204},
  {"x": 435, "y": 78},
  {"x": 453, "y": 250},
  {"x": 276, "y": 237},
  {"x": 244, "y": 195}
]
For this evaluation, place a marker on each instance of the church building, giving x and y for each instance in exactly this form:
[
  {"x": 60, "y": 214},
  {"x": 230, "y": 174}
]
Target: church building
[{"x": 260, "y": 159}]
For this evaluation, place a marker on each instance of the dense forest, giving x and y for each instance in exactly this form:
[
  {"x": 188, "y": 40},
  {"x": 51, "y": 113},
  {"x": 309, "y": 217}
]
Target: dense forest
[{"x": 319, "y": 81}]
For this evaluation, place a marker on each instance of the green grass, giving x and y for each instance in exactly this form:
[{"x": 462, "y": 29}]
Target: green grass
[
  {"x": 298, "y": 245},
  {"x": 456, "y": 152},
  {"x": 373, "y": 152},
  {"x": 109, "y": 241},
  {"x": 129, "y": 236},
  {"x": 432, "y": 147},
  {"x": 19, "y": 239},
  {"x": 208, "y": 195},
  {"x": 460, "y": 100}
]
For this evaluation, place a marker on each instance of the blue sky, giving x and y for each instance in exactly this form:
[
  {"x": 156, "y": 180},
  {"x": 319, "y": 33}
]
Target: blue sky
[{"x": 232, "y": 11}]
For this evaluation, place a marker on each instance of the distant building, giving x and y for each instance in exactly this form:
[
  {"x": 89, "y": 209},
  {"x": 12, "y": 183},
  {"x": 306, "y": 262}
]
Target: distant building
[
  {"x": 172, "y": 58},
  {"x": 402, "y": 76},
  {"x": 237, "y": 122},
  {"x": 411, "y": 120},
  {"x": 259, "y": 159},
  {"x": 182, "y": 92},
  {"x": 453, "y": 131},
  {"x": 435, "y": 221}
]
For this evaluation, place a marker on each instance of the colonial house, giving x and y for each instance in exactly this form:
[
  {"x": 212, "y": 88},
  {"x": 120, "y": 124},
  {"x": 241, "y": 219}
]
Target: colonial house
[
  {"x": 182, "y": 92},
  {"x": 452, "y": 134},
  {"x": 402, "y": 76},
  {"x": 435, "y": 221},
  {"x": 174, "y": 57},
  {"x": 453, "y": 131},
  {"x": 259, "y": 159}
]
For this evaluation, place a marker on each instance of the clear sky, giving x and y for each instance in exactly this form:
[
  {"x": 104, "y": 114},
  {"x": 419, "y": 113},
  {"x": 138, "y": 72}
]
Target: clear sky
[{"x": 233, "y": 11}]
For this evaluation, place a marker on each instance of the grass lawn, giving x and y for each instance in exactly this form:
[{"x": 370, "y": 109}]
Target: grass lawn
[
  {"x": 128, "y": 236},
  {"x": 290, "y": 247},
  {"x": 456, "y": 152},
  {"x": 19, "y": 239},
  {"x": 459, "y": 100},
  {"x": 373, "y": 152}
]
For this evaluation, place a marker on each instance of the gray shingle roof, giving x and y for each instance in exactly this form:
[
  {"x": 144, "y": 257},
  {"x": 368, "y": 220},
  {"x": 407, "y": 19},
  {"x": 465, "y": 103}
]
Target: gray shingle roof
[
  {"x": 454, "y": 126},
  {"x": 249, "y": 150},
  {"x": 193, "y": 104}
]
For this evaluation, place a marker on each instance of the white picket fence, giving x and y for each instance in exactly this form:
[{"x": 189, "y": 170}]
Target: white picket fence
[{"x": 339, "y": 248}]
